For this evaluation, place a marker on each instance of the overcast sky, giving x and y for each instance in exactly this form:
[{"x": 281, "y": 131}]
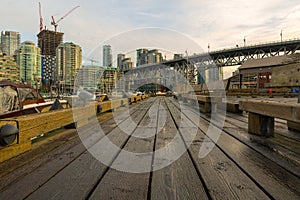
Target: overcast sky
[{"x": 220, "y": 23}]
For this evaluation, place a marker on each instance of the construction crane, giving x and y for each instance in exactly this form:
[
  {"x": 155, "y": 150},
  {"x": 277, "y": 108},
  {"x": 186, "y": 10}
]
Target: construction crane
[
  {"x": 92, "y": 61},
  {"x": 56, "y": 23},
  {"x": 41, "y": 19}
]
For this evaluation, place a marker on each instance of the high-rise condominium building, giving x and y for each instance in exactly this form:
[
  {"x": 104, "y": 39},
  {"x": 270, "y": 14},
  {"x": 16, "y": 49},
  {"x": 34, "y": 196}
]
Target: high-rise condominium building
[
  {"x": 107, "y": 56},
  {"x": 28, "y": 57},
  {"x": 153, "y": 56},
  {"x": 9, "y": 70},
  {"x": 145, "y": 56},
  {"x": 120, "y": 58},
  {"x": 68, "y": 62},
  {"x": 141, "y": 57},
  {"x": 10, "y": 42},
  {"x": 127, "y": 64},
  {"x": 124, "y": 64}
]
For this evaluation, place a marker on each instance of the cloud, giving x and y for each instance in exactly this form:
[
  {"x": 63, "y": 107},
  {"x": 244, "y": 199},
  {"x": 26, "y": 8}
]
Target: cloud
[{"x": 218, "y": 22}]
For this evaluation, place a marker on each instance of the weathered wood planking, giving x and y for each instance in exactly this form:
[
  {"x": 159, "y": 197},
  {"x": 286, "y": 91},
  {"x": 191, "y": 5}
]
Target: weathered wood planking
[
  {"x": 179, "y": 180},
  {"x": 233, "y": 170},
  {"x": 129, "y": 185},
  {"x": 36, "y": 124},
  {"x": 222, "y": 176},
  {"x": 39, "y": 176},
  {"x": 237, "y": 127},
  {"x": 207, "y": 103},
  {"x": 262, "y": 113},
  {"x": 82, "y": 174},
  {"x": 275, "y": 180},
  {"x": 287, "y": 111},
  {"x": 32, "y": 181}
]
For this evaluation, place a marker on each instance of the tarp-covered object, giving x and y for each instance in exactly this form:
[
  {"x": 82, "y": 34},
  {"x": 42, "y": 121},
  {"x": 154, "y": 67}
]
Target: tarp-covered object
[
  {"x": 9, "y": 100},
  {"x": 14, "y": 96}
]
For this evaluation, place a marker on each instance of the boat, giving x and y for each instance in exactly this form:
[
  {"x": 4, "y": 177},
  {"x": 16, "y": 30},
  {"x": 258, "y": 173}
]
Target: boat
[{"x": 21, "y": 99}]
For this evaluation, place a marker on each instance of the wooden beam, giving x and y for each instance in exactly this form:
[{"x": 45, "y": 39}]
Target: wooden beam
[
  {"x": 286, "y": 111},
  {"x": 37, "y": 124}
]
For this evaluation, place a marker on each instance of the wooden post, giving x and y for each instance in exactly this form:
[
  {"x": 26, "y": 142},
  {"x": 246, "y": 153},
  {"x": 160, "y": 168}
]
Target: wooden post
[
  {"x": 261, "y": 125},
  {"x": 294, "y": 126}
]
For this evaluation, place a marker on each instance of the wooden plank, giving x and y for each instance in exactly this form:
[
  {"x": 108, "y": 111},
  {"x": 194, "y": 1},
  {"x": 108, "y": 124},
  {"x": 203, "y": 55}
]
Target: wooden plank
[
  {"x": 290, "y": 111},
  {"x": 78, "y": 177},
  {"x": 82, "y": 174},
  {"x": 208, "y": 98},
  {"x": 36, "y": 124},
  {"x": 222, "y": 176},
  {"x": 42, "y": 174},
  {"x": 13, "y": 150},
  {"x": 280, "y": 125},
  {"x": 293, "y": 126},
  {"x": 233, "y": 107},
  {"x": 31, "y": 182},
  {"x": 269, "y": 147},
  {"x": 123, "y": 184},
  {"x": 179, "y": 180},
  {"x": 26, "y": 163},
  {"x": 260, "y": 125},
  {"x": 277, "y": 181}
]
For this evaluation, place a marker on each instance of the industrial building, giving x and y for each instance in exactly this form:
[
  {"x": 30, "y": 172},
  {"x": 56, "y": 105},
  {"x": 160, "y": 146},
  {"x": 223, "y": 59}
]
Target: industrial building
[{"x": 271, "y": 72}]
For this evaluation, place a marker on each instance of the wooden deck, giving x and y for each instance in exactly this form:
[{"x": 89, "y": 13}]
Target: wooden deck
[{"x": 240, "y": 166}]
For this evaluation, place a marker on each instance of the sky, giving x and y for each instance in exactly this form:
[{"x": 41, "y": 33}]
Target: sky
[{"x": 180, "y": 26}]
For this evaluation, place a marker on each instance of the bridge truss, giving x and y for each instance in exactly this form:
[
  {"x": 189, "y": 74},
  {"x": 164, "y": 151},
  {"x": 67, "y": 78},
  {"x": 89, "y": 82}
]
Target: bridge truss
[{"x": 193, "y": 66}]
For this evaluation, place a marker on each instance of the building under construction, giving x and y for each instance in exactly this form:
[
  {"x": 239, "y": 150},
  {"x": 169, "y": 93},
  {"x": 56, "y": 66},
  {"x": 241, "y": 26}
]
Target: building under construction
[
  {"x": 48, "y": 41},
  {"x": 108, "y": 81}
]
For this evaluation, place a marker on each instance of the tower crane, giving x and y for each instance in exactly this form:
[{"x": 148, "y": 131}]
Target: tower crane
[
  {"x": 92, "y": 61},
  {"x": 55, "y": 23},
  {"x": 41, "y": 19}
]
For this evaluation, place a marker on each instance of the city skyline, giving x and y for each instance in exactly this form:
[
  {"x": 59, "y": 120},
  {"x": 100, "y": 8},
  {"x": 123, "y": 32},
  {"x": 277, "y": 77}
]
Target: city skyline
[{"x": 217, "y": 23}]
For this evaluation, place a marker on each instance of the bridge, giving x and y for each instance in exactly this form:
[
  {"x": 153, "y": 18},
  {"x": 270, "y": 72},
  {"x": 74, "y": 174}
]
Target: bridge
[{"x": 194, "y": 65}]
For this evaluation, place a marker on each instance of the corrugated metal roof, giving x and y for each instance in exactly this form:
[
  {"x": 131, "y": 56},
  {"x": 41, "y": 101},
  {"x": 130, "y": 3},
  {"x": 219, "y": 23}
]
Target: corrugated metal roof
[{"x": 271, "y": 61}]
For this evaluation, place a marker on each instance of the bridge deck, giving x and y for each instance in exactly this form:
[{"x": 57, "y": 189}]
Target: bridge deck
[{"x": 238, "y": 167}]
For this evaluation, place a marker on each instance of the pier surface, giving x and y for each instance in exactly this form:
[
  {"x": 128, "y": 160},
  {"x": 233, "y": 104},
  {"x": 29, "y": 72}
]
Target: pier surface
[{"x": 239, "y": 166}]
